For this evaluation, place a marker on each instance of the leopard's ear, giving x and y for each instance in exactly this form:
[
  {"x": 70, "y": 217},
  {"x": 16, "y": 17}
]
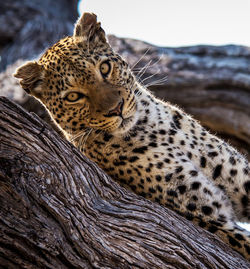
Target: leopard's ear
[
  {"x": 31, "y": 76},
  {"x": 88, "y": 30}
]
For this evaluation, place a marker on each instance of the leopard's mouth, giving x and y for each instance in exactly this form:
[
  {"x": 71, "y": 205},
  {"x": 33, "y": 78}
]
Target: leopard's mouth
[
  {"x": 126, "y": 121},
  {"x": 125, "y": 124},
  {"x": 125, "y": 117}
]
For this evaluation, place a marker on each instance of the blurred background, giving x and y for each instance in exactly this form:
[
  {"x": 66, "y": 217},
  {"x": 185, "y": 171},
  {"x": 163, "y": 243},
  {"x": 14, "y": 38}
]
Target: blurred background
[{"x": 192, "y": 53}]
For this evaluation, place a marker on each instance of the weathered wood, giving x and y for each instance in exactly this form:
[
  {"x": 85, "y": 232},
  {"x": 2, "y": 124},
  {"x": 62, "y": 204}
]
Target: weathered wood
[
  {"x": 59, "y": 210},
  {"x": 29, "y": 27}
]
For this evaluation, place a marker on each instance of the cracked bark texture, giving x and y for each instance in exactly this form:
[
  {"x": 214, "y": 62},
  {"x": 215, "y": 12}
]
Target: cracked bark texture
[{"x": 59, "y": 210}]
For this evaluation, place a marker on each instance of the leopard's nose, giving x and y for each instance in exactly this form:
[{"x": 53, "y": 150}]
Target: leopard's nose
[{"x": 117, "y": 111}]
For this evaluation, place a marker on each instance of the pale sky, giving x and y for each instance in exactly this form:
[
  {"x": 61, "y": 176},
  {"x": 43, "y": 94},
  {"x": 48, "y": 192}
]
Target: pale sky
[{"x": 175, "y": 22}]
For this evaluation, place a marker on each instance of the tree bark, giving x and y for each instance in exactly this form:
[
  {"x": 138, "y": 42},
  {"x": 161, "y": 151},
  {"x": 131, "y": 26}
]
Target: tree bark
[
  {"x": 27, "y": 27},
  {"x": 59, "y": 210}
]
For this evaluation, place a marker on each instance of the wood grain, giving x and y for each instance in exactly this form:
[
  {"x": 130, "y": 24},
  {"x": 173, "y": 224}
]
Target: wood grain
[{"x": 59, "y": 210}]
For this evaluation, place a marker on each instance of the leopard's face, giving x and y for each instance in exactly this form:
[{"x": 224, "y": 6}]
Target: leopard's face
[
  {"x": 83, "y": 83},
  {"x": 88, "y": 89}
]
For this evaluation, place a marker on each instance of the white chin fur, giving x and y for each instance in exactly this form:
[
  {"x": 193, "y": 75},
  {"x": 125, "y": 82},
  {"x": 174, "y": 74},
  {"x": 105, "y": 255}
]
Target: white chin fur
[{"x": 124, "y": 129}]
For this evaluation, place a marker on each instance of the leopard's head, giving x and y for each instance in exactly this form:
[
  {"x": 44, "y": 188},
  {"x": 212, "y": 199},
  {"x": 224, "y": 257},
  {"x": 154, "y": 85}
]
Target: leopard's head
[{"x": 83, "y": 82}]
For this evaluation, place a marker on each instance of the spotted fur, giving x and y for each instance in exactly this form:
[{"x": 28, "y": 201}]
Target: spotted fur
[{"x": 149, "y": 146}]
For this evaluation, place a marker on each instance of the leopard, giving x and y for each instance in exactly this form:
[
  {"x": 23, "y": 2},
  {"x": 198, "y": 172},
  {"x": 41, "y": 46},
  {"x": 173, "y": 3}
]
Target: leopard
[{"x": 147, "y": 145}]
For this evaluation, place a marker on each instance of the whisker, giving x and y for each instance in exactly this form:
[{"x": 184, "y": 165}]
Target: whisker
[
  {"x": 83, "y": 139},
  {"x": 156, "y": 73},
  {"x": 157, "y": 82},
  {"x": 147, "y": 66},
  {"x": 99, "y": 133},
  {"x": 143, "y": 70},
  {"x": 136, "y": 63},
  {"x": 74, "y": 137}
]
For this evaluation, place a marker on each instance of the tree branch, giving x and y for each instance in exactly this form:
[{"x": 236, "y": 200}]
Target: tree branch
[{"x": 59, "y": 210}]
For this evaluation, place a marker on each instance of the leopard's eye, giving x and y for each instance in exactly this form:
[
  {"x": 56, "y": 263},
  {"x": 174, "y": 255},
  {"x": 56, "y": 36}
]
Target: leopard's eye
[
  {"x": 105, "y": 68},
  {"x": 73, "y": 96}
]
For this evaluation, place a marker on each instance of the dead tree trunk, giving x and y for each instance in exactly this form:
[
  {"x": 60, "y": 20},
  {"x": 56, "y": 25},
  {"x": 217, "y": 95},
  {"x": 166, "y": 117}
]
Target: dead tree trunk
[
  {"x": 28, "y": 27},
  {"x": 59, "y": 210}
]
